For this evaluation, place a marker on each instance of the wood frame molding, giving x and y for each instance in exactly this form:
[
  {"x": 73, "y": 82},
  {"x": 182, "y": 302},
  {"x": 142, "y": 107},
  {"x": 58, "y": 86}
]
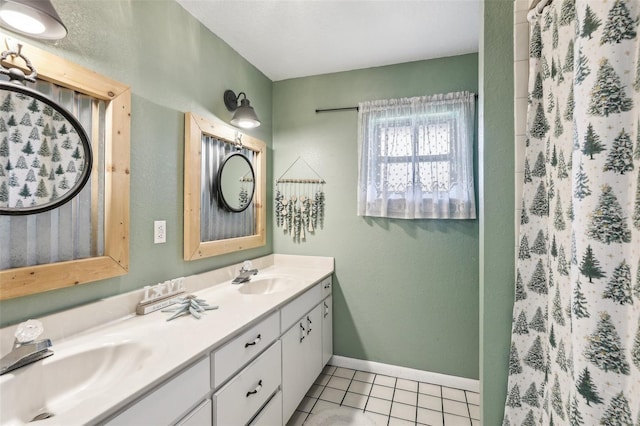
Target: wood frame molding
[
  {"x": 28, "y": 280},
  {"x": 194, "y": 249}
]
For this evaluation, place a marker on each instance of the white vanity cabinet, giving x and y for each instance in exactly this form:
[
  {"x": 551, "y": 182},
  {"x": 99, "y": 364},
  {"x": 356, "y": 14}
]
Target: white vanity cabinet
[
  {"x": 305, "y": 343},
  {"x": 327, "y": 330},
  {"x": 168, "y": 403}
]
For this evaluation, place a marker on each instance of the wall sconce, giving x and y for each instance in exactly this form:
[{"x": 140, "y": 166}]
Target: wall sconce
[
  {"x": 244, "y": 115},
  {"x": 33, "y": 18}
]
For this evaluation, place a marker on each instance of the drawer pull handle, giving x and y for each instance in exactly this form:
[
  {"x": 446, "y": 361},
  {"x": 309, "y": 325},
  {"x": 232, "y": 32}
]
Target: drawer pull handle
[
  {"x": 326, "y": 309},
  {"x": 308, "y": 325},
  {"x": 256, "y": 390},
  {"x": 327, "y": 285},
  {"x": 302, "y": 330},
  {"x": 254, "y": 342}
]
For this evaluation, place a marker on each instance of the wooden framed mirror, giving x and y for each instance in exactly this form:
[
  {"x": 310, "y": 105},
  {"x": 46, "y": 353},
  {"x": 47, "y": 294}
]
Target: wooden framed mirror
[{"x": 212, "y": 228}]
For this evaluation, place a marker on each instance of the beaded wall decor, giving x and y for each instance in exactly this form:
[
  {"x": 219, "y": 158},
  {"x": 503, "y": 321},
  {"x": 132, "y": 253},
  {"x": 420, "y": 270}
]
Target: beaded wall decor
[{"x": 299, "y": 203}]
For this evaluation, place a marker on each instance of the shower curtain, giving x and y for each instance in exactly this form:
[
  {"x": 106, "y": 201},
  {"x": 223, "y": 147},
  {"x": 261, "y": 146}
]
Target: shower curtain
[{"x": 575, "y": 348}]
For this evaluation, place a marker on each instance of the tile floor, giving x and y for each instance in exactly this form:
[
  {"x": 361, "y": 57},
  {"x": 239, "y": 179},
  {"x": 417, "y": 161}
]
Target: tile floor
[{"x": 389, "y": 401}]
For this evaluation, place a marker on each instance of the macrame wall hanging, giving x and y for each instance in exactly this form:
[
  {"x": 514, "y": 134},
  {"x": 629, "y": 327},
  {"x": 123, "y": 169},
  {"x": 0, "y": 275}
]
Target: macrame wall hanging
[{"x": 299, "y": 201}]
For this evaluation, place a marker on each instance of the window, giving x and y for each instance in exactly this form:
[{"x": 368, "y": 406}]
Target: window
[{"x": 416, "y": 157}]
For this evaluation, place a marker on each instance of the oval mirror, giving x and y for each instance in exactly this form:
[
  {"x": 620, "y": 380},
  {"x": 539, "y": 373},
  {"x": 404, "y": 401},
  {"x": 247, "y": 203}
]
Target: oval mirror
[
  {"x": 236, "y": 182},
  {"x": 45, "y": 154}
]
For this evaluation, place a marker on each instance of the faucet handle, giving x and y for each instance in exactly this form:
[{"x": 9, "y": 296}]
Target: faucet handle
[
  {"x": 28, "y": 331},
  {"x": 247, "y": 265}
]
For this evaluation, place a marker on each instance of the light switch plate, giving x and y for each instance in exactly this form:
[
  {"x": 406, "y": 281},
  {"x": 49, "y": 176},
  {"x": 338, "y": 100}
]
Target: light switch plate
[{"x": 159, "y": 231}]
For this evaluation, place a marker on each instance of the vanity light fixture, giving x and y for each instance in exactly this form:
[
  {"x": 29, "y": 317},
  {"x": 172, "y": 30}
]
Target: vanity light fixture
[
  {"x": 33, "y": 18},
  {"x": 244, "y": 115}
]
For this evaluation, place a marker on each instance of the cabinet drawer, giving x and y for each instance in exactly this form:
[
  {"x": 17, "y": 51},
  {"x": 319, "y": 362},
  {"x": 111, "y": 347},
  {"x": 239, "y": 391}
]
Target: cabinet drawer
[
  {"x": 293, "y": 311},
  {"x": 326, "y": 285},
  {"x": 271, "y": 414},
  {"x": 171, "y": 400},
  {"x": 239, "y": 351},
  {"x": 240, "y": 399},
  {"x": 200, "y": 416}
]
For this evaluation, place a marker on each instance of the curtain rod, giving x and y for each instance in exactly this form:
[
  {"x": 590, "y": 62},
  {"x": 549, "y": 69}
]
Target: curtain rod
[{"x": 353, "y": 108}]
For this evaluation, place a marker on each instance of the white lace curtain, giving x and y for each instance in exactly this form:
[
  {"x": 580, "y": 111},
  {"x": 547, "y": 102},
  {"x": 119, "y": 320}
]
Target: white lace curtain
[{"x": 416, "y": 157}]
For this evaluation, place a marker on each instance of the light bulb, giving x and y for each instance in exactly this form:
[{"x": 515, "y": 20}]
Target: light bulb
[{"x": 22, "y": 22}]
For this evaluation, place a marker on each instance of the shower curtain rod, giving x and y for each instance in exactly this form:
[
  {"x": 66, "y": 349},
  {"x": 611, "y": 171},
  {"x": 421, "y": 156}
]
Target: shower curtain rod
[{"x": 354, "y": 108}]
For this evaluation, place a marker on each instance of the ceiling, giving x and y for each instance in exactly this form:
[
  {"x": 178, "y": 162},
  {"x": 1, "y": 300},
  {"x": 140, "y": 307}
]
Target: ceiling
[{"x": 297, "y": 38}]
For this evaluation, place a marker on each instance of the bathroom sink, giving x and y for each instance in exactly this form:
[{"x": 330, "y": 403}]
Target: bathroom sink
[
  {"x": 55, "y": 386},
  {"x": 267, "y": 285}
]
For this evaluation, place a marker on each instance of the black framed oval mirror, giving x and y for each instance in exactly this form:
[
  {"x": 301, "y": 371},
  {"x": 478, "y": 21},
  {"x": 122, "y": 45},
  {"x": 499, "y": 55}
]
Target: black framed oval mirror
[
  {"x": 235, "y": 182},
  {"x": 45, "y": 153}
]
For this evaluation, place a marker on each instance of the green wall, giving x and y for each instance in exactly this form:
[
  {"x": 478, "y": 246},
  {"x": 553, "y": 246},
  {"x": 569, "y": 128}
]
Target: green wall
[
  {"x": 406, "y": 291},
  {"x": 496, "y": 205},
  {"x": 173, "y": 65}
]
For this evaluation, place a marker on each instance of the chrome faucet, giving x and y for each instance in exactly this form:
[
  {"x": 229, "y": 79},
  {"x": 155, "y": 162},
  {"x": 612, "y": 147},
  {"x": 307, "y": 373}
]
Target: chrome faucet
[
  {"x": 26, "y": 349},
  {"x": 246, "y": 271}
]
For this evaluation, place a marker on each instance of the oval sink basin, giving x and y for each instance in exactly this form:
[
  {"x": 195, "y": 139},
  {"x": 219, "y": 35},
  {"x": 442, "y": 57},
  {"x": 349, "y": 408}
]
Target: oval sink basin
[
  {"x": 267, "y": 285},
  {"x": 63, "y": 381}
]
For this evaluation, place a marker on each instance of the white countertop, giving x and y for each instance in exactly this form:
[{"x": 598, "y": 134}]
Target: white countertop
[{"x": 169, "y": 346}]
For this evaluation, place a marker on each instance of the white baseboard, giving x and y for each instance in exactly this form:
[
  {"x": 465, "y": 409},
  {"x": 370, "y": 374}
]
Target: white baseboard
[{"x": 406, "y": 373}]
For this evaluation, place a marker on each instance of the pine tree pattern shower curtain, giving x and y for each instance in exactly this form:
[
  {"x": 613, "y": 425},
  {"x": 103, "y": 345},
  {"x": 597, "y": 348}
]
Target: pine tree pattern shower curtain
[{"x": 575, "y": 351}]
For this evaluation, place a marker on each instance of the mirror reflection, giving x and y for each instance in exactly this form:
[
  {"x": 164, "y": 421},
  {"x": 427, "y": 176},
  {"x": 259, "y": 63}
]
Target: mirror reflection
[
  {"x": 45, "y": 154},
  {"x": 236, "y": 182}
]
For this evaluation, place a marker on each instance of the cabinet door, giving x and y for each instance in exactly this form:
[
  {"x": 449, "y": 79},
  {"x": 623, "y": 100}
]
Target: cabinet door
[
  {"x": 327, "y": 330},
  {"x": 301, "y": 359}
]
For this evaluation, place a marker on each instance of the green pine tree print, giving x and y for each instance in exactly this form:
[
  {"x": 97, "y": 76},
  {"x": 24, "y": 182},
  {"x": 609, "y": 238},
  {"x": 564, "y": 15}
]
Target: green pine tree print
[
  {"x": 620, "y": 158},
  {"x": 4, "y": 192},
  {"x": 608, "y": 95},
  {"x": 34, "y": 134},
  {"x": 619, "y": 286},
  {"x": 618, "y": 412},
  {"x": 562, "y": 167},
  {"x": 546, "y": 73},
  {"x": 587, "y": 388},
  {"x": 43, "y": 171},
  {"x": 26, "y": 120},
  {"x": 568, "y": 112},
  {"x": 561, "y": 357},
  {"x": 7, "y": 104},
  {"x": 524, "y": 217},
  {"x": 636, "y": 153},
  {"x": 539, "y": 168},
  {"x": 25, "y": 192},
  {"x": 579, "y": 302},
  {"x": 22, "y": 163},
  {"x": 540, "y": 125},
  {"x": 513, "y": 400},
  {"x": 635, "y": 351},
  {"x": 554, "y": 247},
  {"x": 42, "y": 192},
  {"x": 16, "y": 136},
  {"x": 590, "y": 23},
  {"x": 558, "y": 317},
  {"x": 28, "y": 148},
  {"x": 514, "y": 361},
  {"x": 55, "y": 156},
  {"x": 567, "y": 12},
  {"x": 605, "y": 347},
  {"x": 4, "y": 147},
  {"x": 44, "y": 150},
  {"x": 581, "y": 185},
  {"x": 554, "y": 36},
  {"x": 540, "y": 203},
  {"x": 592, "y": 144},
  {"x": 540, "y": 243},
  {"x": 608, "y": 224},
  {"x": 535, "y": 356},
  {"x": 550, "y": 97},
  {"x": 590, "y": 266},
  {"x": 620, "y": 25},
  {"x": 558, "y": 221},
  {"x": 537, "y": 92},
  {"x": 569, "y": 59},
  {"x": 552, "y": 337},
  {"x": 575, "y": 417},
  {"x": 556, "y": 398},
  {"x": 520, "y": 327},
  {"x": 527, "y": 171},
  {"x": 563, "y": 266},
  {"x": 538, "y": 282},
  {"x": 538, "y": 322},
  {"x": 535, "y": 44},
  {"x": 523, "y": 253},
  {"x": 530, "y": 397},
  {"x": 582, "y": 68},
  {"x": 554, "y": 156},
  {"x": 521, "y": 293}
]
